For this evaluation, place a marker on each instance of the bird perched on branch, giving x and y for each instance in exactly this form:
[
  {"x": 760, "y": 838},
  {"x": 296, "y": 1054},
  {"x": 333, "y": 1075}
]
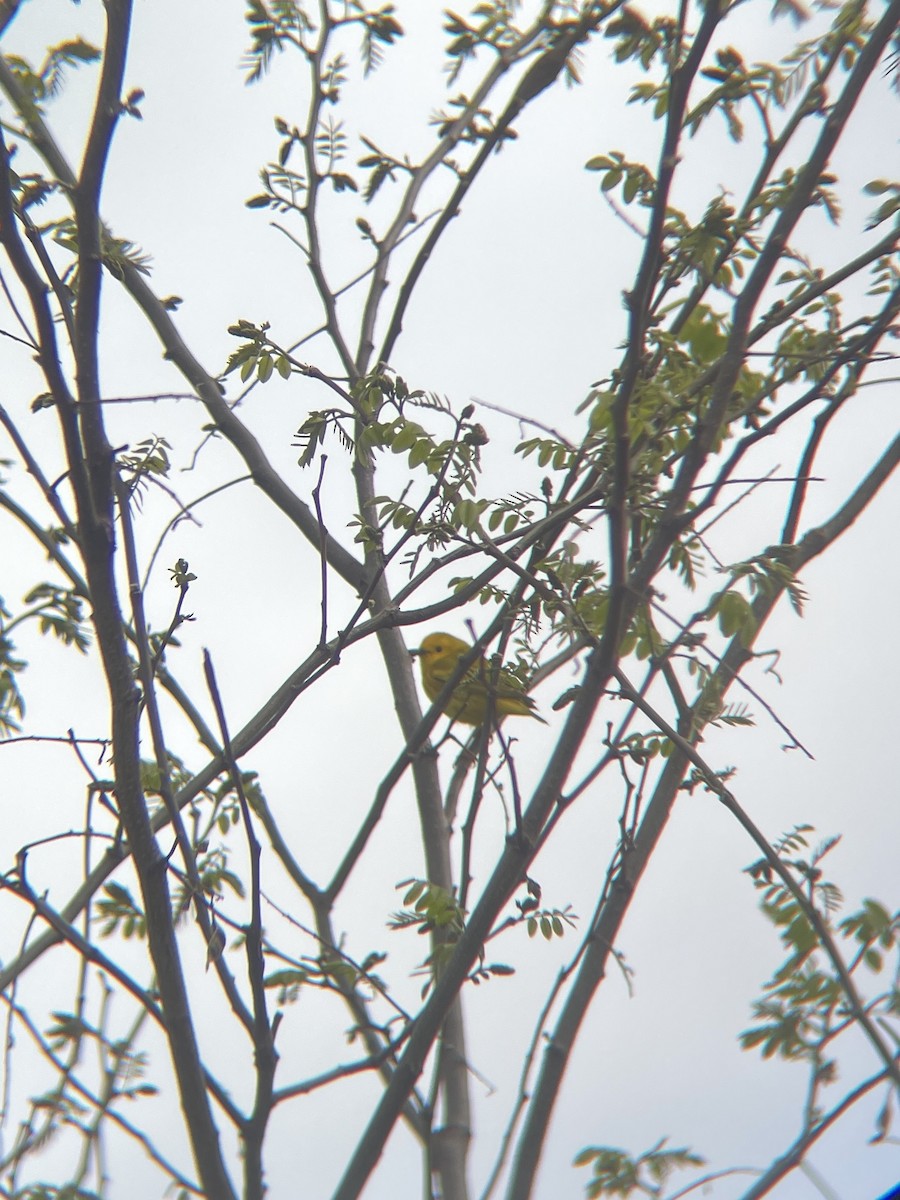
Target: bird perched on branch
[{"x": 479, "y": 692}]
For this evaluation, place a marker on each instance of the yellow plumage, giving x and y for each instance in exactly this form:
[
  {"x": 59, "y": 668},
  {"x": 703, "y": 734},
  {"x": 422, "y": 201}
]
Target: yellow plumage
[{"x": 478, "y": 693}]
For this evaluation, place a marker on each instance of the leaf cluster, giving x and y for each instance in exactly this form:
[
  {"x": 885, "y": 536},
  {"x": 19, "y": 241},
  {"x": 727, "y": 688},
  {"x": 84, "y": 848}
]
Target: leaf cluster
[
  {"x": 803, "y": 1007},
  {"x": 617, "y": 1173},
  {"x": 46, "y": 81}
]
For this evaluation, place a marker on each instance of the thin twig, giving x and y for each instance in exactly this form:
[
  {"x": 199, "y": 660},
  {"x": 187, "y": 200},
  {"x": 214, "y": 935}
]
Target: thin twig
[{"x": 323, "y": 557}]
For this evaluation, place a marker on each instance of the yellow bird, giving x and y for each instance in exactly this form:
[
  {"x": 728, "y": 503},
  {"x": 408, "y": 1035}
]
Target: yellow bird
[{"x": 478, "y": 692}]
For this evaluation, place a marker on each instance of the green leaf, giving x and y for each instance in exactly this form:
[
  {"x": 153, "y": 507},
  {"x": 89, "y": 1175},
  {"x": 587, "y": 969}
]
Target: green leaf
[
  {"x": 405, "y": 438},
  {"x": 420, "y": 452},
  {"x": 736, "y": 617}
]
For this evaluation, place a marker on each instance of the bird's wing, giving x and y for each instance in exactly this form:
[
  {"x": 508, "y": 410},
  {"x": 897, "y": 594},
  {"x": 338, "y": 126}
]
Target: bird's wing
[{"x": 509, "y": 685}]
